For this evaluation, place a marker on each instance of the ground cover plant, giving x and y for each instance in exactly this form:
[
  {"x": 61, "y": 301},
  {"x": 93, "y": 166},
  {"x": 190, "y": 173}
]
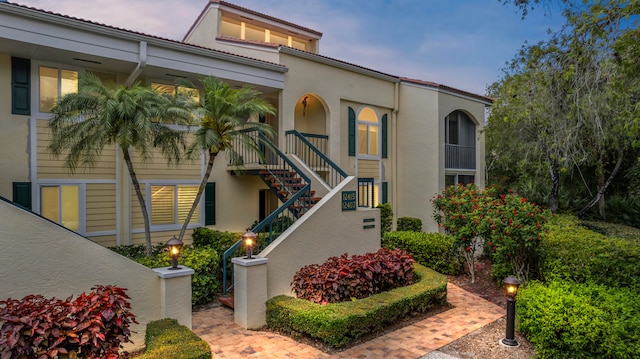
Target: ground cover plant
[
  {"x": 167, "y": 339},
  {"x": 359, "y": 276},
  {"x": 95, "y": 325}
]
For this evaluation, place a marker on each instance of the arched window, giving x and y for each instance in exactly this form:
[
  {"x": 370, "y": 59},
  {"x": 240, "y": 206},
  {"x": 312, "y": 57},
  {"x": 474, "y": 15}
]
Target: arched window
[
  {"x": 460, "y": 141},
  {"x": 368, "y": 132}
]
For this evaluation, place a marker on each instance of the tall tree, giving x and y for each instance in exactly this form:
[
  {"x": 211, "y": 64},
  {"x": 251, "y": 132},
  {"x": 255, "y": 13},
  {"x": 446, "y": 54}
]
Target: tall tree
[
  {"x": 574, "y": 79},
  {"x": 134, "y": 119},
  {"x": 224, "y": 113}
]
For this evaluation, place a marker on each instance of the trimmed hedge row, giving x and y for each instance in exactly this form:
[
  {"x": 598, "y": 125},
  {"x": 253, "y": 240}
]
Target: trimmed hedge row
[
  {"x": 434, "y": 250},
  {"x": 569, "y": 320},
  {"x": 338, "y": 324},
  {"x": 573, "y": 252},
  {"x": 166, "y": 339}
]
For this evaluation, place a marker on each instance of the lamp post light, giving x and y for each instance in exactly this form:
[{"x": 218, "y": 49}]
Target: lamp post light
[
  {"x": 249, "y": 240},
  {"x": 511, "y": 285},
  {"x": 174, "y": 245}
]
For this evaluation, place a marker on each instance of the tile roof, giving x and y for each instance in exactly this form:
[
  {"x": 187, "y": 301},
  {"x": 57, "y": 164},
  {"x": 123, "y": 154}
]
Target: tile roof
[{"x": 447, "y": 88}]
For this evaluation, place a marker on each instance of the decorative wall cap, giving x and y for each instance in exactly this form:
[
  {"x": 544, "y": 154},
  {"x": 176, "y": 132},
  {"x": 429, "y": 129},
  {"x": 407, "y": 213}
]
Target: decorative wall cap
[
  {"x": 167, "y": 272},
  {"x": 254, "y": 261}
]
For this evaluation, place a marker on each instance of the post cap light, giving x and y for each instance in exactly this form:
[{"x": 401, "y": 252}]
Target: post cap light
[
  {"x": 174, "y": 245},
  {"x": 249, "y": 240},
  {"x": 511, "y": 284}
]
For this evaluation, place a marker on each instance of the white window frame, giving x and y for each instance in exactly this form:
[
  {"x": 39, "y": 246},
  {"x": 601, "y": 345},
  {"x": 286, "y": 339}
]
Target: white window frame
[
  {"x": 378, "y": 125},
  {"x": 195, "y": 222},
  {"x": 81, "y": 201},
  {"x": 36, "y": 94}
]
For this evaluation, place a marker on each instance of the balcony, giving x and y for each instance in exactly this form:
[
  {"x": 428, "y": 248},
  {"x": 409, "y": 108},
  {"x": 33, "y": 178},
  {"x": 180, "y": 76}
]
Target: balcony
[{"x": 460, "y": 157}]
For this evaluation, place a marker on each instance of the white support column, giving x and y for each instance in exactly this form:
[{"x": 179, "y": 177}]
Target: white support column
[
  {"x": 175, "y": 293},
  {"x": 250, "y": 291}
]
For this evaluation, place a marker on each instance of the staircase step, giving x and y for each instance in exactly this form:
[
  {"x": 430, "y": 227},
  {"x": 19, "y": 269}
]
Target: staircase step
[{"x": 228, "y": 301}]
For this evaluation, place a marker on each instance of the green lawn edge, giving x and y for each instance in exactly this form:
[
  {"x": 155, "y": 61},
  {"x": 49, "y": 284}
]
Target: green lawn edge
[
  {"x": 338, "y": 324},
  {"x": 167, "y": 339}
]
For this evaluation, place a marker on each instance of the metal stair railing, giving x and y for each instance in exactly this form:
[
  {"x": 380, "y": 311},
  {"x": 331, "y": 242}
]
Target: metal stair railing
[
  {"x": 278, "y": 221},
  {"x": 300, "y": 145}
]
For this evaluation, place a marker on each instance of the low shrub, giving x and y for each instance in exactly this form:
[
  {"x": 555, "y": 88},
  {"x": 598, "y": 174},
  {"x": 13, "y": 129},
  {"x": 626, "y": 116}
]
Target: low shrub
[
  {"x": 434, "y": 250},
  {"x": 217, "y": 240},
  {"x": 166, "y": 339},
  {"x": 573, "y": 252},
  {"x": 563, "y": 319},
  {"x": 343, "y": 278},
  {"x": 409, "y": 224},
  {"x": 95, "y": 325},
  {"x": 203, "y": 260},
  {"x": 338, "y": 324}
]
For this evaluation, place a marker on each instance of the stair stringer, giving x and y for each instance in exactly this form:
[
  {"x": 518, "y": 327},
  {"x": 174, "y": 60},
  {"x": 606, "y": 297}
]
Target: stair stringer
[
  {"x": 325, "y": 231},
  {"x": 317, "y": 184}
]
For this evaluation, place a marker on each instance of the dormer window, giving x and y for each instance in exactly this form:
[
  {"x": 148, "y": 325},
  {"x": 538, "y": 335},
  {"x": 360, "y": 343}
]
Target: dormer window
[{"x": 251, "y": 31}]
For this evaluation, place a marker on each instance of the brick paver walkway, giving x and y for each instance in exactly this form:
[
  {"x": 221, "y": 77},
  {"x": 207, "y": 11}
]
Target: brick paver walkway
[{"x": 469, "y": 312}]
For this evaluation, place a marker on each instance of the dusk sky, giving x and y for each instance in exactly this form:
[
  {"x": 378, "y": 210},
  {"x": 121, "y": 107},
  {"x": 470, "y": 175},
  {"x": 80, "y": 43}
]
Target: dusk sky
[{"x": 458, "y": 43}]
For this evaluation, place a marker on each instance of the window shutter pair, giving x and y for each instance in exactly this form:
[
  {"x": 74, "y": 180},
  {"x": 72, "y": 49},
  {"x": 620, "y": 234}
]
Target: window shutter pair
[
  {"x": 352, "y": 133},
  {"x": 20, "y": 86}
]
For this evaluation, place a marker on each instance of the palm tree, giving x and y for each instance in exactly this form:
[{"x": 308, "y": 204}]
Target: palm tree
[
  {"x": 224, "y": 118},
  {"x": 132, "y": 118}
]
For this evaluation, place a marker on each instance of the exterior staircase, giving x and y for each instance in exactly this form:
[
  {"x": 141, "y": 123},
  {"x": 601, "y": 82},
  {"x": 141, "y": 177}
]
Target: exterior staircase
[{"x": 287, "y": 181}]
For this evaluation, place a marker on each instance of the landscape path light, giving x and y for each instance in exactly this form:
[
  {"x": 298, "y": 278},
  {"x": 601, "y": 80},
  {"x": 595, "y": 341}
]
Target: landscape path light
[
  {"x": 511, "y": 285},
  {"x": 174, "y": 245},
  {"x": 249, "y": 240}
]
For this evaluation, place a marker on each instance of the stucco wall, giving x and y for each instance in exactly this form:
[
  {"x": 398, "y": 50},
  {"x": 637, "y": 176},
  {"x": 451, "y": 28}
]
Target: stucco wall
[
  {"x": 421, "y": 149},
  {"x": 338, "y": 88},
  {"x": 39, "y": 257},
  {"x": 14, "y": 136},
  {"x": 323, "y": 232}
]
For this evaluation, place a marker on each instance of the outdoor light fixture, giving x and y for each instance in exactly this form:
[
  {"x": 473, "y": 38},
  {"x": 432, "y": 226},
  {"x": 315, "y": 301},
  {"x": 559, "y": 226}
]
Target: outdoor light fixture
[
  {"x": 511, "y": 285},
  {"x": 249, "y": 240},
  {"x": 174, "y": 245},
  {"x": 304, "y": 105}
]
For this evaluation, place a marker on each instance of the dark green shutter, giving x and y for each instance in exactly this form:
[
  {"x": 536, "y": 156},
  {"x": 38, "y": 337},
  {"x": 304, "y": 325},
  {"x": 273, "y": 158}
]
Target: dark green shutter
[
  {"x": 22, "y": 194},
  {"x": 385, "y": 192},
  {"x": 210, "y": 204},
  {"x": 384, "y": 136},
  {"x": 352, "y": 132},
  {"x": 20, "y": 86}
]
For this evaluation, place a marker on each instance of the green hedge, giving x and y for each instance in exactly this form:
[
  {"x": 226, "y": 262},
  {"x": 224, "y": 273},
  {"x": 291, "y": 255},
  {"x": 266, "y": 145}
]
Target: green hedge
[
  {"x": 204, "y": 261},
  {"x": 434, "y": 250},
  {"x": 166, "y": 339},
  {"x": 570, "y": 320},
  {"x": 338, "y": 324},
  {"x": 409, "y": 224},
  {"x": 573, "y": 252}
]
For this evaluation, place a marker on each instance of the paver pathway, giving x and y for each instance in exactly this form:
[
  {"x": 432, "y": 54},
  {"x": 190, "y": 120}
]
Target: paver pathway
[{"x": 469, "y": 312}]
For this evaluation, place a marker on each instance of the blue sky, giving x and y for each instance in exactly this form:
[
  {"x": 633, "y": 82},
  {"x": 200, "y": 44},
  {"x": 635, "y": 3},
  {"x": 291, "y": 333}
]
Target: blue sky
[{"x": 458, "y": 43}]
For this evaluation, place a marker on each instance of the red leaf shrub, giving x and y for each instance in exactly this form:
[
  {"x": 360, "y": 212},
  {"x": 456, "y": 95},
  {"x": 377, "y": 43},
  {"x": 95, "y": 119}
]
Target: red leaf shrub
[
  {"x": 342, "y": 278},
  {"x": 94, "y": 324}
]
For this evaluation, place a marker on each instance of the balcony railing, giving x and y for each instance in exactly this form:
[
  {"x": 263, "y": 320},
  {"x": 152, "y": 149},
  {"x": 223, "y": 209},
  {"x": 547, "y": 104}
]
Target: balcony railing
[
  {"x": 312, "y": 149},
  {"x": 460, "y": 157}
]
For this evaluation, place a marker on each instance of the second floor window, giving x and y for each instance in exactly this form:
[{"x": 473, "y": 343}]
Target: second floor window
[
  {"x": 460, "y": 141},
  {"x": 55, "y": 83},
  {"x": 368, "y": 132}
]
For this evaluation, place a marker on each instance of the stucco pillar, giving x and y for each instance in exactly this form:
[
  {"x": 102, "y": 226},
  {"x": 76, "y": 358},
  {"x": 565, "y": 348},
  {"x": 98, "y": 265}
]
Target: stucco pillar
[
  {"x": 250, "y": 291},
  {"x": 175, "y": 293}
]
